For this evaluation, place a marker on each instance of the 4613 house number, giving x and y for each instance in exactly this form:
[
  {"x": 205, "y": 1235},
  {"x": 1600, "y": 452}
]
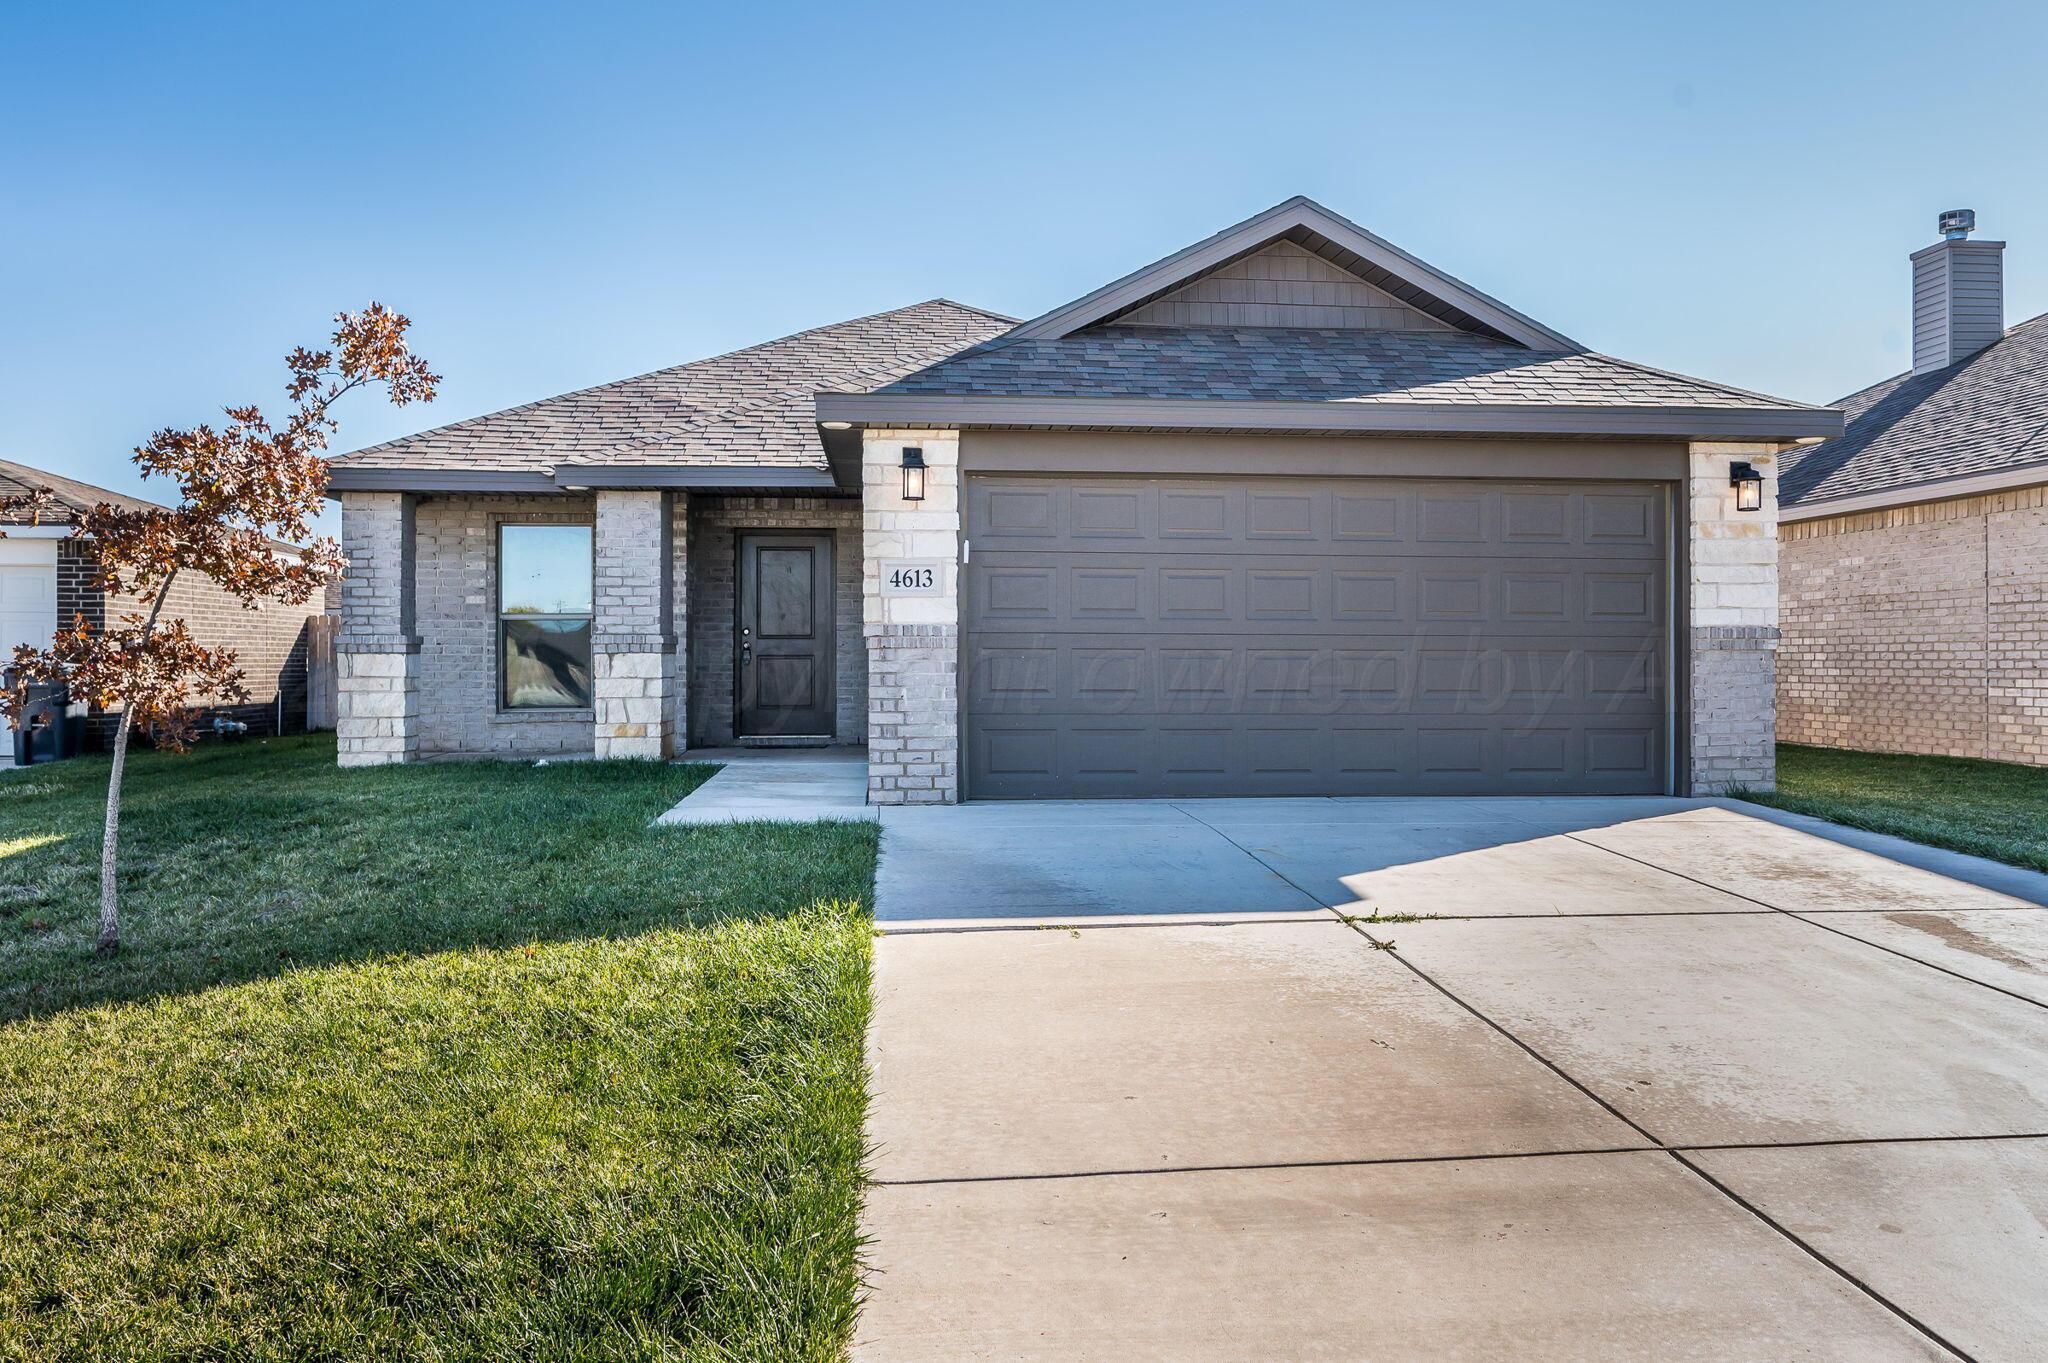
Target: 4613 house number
[{"x": 911, "y": 576}]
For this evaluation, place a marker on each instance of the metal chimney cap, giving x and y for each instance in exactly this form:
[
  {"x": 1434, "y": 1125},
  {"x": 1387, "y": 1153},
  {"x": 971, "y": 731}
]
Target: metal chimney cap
[{"x": 1957, "y": 223}]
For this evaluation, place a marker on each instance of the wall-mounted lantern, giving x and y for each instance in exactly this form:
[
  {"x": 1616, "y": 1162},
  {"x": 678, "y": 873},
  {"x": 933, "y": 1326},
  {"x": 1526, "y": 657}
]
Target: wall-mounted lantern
[
  {"x": 913, "y": 475},
  {"x": 1748, "y": 485}
]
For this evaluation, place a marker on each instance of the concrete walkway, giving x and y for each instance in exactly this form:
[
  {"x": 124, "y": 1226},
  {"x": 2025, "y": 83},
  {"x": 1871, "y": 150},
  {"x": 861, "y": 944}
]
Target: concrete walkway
[
  {"x": 1541, "y": 1079},
  {"x": 777, "y": 785}
]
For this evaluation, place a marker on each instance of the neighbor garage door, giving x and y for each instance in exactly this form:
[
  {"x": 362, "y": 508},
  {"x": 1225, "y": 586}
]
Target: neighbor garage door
[{"x": 1302, "y": 636}]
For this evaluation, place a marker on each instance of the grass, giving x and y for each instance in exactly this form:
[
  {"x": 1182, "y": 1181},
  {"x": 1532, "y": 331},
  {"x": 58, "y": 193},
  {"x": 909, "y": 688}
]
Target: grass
[
  {"x": 1991, "y": 809},
  {"x": 437, "y": 1062}
]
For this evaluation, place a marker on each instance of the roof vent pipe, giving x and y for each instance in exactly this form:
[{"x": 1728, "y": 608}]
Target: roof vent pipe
[{"x": 1958, "y": 294}]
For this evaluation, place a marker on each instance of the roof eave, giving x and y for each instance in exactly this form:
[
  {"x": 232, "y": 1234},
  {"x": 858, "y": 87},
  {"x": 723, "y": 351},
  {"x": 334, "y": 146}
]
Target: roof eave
[
  {"x": 1911, "y": 494},
  {"x": 581, "y": 478},
  {"x": 1383, "y": 418},
  {"x": 703, "y": 477}
]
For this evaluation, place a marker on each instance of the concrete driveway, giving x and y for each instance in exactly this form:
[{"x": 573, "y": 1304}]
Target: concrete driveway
[{"x": 1389, "y": 1079}]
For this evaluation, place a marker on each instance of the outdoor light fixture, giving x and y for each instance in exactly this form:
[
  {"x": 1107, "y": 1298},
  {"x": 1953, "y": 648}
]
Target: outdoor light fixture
[
  {"x": 1748, "y": 485},
  {"x": 913, "y": 475}
]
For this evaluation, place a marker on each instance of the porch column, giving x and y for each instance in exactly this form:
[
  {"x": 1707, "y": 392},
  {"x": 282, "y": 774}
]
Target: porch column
[
  {"x": 377, "y": 649},
  {"x": 1733, "y": 620},
  {"x": 679, "y": 618},
  {"x": 633, "y": 665},
  {"x": 913, "y": 640}
]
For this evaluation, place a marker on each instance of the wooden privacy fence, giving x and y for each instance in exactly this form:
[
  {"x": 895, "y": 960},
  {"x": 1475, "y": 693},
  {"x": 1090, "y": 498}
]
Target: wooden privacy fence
[{"x": 320, "y": 679}]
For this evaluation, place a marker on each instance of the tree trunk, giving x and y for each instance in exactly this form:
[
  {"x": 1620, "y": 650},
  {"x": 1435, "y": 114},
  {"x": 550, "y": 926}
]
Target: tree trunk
[
  {"x": 110, "y": 917},
  {"x": 110, "y": 908}
]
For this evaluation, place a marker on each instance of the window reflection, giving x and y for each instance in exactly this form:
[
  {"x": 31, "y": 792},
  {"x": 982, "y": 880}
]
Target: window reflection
[
  {"x": 544, "y": 616},
  {"x": 547, "y": 664}
]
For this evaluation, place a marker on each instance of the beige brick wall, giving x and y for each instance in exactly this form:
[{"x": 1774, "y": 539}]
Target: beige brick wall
[
  {"x": 1919, "y": 629},
  {"x": 633, "y": 663},
  {"x": 1732, "y": 566},
  {"x": 913, "y": 641},
  {"x": 377, "y": 664}
]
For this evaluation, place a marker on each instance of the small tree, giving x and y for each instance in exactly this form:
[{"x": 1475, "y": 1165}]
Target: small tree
[{"x": 245, "y": 490}]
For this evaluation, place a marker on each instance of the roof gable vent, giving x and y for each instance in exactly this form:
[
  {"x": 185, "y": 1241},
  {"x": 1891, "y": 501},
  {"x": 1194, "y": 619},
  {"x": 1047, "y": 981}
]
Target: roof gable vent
[{"x": 1958, "y": 294}]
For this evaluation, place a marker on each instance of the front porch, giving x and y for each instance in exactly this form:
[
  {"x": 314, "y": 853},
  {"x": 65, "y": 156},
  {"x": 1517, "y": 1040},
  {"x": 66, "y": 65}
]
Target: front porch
[{"x": 635, "y": 631}]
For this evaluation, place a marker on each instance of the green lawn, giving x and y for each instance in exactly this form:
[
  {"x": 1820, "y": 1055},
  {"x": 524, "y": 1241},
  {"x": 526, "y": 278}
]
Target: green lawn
[
  {"x": 1993, "y": 809},
  {"x": 440, "y": 1062}
]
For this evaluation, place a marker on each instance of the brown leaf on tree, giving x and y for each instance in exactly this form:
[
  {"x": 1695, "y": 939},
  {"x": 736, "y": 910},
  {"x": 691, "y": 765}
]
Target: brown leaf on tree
[{"x": 247, "y": 495}]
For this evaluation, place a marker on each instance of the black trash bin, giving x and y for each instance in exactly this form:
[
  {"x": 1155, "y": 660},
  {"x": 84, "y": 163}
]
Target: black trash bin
[{"x": 44, "y": 732}]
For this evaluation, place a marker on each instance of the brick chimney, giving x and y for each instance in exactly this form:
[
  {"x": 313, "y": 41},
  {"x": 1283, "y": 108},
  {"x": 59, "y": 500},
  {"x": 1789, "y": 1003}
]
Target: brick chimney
[{"x": 1958, "y": 294}]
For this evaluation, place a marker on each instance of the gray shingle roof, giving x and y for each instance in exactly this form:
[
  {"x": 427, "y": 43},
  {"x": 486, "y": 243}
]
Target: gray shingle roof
[
  {"x": 751, "y": 407},
  {"x": 1986, "y": 414},
  {"x": 72, "y": 498},
  {"x": 1286, "y": 365}
]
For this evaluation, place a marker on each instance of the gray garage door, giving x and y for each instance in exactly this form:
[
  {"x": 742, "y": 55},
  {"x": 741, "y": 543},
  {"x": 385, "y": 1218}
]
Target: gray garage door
[{"x": 1300, "y": 636}]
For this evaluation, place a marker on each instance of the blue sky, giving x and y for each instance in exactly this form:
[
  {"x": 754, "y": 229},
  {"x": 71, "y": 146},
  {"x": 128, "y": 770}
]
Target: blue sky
[{"x": 565, "y": 194}]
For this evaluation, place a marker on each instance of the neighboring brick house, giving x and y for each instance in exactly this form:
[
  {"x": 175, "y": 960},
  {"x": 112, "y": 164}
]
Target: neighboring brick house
[
  {"x": 1914, "y": 566},
  {"x": 46, "y": 580},
  {"x": 1287, "y": 512}
]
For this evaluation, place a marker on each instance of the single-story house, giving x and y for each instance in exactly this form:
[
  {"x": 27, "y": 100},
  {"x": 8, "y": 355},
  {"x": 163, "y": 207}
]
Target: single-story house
[
  {"x": 1288, "y": 512},
  {"x": 47, "y": 573},
  {"x": 1914, "y": 569}
]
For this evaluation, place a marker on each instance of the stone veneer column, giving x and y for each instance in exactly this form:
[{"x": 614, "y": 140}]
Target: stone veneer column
[
  {"x": 377, "y": 651},
  {"x": 1733, "y": 569},
  {"x": 679, "y": 620},
  {"x": 633, "y": 664},
  {"x": 913, "y": 641}
]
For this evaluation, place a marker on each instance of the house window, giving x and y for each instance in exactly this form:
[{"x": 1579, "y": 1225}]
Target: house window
[{"x": 544, "y": 609}]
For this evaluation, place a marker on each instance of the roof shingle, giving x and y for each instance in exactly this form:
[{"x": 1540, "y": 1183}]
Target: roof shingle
[
  {"x": 1255, "y": 364},
  {"x": 1985, "y": 414},
  {"x": 750, "y": 407},
  {"x": 71, "y": 499}
]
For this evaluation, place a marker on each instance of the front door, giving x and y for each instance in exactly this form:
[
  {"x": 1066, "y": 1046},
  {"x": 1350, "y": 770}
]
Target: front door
[{"x": 784, "y": 646}]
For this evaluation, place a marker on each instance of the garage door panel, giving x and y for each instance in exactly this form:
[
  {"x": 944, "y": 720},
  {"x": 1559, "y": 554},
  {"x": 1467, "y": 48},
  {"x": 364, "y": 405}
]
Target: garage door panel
[
  {"x": 1040, "y": 593},
  {"x": 1252, "y": 517},
  {"x": 1313, "y": 636},
  {"x": 1191, "y": 759},
  {"x": 1046, "y": 676}
]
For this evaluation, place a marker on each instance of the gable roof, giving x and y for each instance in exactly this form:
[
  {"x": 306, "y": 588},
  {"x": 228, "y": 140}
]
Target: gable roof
[
  {"x": 1477, "y": 367},
  {"x": 1979, "y": 422},
  {"x": 1458, "y": 362},
  {"x": 1309, "y": 225},
  {"x": 71, "y": 498},
  {"x": 742, "y": 416}
]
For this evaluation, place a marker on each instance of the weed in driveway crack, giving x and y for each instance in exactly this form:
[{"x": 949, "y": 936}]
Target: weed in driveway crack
[{"x": 1378, "y": 917}]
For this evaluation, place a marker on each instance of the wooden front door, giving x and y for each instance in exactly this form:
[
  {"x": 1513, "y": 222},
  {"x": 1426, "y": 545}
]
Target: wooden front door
[{"x": 784, "y": 643}]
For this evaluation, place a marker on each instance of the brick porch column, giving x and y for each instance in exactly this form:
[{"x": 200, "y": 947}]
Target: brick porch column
[
  {"x": 377, "y": 651},
  {"x": 633, "y": 664},
  {"x": 1733, "y": 601},
  {"x": 913, "y": 641},
  {"x": 679, "y": 618}
]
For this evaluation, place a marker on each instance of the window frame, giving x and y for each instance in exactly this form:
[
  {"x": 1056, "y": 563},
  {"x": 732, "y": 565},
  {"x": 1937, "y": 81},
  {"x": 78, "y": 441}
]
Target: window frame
[{"x": 499, "y": 617}]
